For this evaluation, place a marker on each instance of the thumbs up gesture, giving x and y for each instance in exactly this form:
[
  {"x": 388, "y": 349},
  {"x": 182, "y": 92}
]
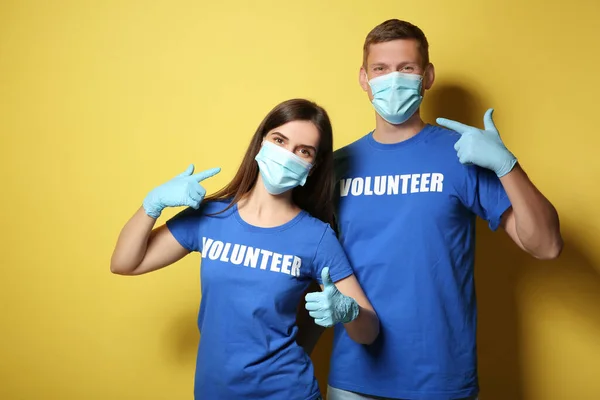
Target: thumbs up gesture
[
  {"x": 183, "y": 190},
  {"x": 481, "y": 147},
  {"x": 330, "y": 306}
]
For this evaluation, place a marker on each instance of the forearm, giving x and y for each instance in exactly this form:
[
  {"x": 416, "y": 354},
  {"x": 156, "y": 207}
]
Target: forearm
[
  {"x": 535, "y": 218},
  {"x": 132, "y": 243},
  {"x": 365, "y": 328}
]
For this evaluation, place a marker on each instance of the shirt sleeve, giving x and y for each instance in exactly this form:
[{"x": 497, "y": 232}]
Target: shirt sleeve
[
  {"x": 185, "y": 227},
  {"x": 485, "y": 196},
  {"x": 330, "y": 254}
]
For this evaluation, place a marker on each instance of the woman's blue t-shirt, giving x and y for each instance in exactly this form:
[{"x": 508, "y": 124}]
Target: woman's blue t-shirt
[{"x": 252, "y": 280}]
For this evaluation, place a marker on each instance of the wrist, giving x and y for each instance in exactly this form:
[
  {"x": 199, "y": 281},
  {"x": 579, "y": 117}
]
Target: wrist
[
  {"x": 150, "y": 207},
  {"x": 506, "y": 165},
  {"x": 353, "y": 310}
]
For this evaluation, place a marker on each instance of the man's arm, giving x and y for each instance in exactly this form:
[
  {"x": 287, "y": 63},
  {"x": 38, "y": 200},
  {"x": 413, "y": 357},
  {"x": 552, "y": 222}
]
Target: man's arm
[{"x": 532, "y": 222}]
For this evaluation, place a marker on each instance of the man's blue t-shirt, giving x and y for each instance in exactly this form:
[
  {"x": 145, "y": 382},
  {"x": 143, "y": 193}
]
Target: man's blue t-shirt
[
  {"x": 252, "y": 280},
  {"x": 406, "y": 218}
]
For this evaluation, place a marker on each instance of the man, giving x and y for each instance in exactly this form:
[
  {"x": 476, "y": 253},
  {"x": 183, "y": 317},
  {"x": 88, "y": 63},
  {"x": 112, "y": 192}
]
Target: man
[{"x": 409, "y": 193}]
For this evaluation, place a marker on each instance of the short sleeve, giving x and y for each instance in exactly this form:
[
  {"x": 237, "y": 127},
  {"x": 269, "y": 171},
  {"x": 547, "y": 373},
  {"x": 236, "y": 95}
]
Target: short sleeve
[
  {"x": 485, "y": 196},
  {"x": 185, "y": 227},
  {"x": 330, "y": 254}
]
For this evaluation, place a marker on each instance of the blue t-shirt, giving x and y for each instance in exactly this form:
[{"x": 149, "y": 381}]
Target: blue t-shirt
[
  {"x": 252, "y": 280},
  {"x": 406, "y": 218}
]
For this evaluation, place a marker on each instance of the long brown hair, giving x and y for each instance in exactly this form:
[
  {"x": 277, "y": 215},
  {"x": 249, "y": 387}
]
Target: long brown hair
[{"x": 316, "y": 196}]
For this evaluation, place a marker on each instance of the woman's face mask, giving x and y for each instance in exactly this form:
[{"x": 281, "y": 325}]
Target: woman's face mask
[{"x": 280, "y": 169}]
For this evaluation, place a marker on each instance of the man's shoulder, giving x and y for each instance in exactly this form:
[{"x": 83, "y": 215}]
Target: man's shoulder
[
  {"x": 342, "y": 157},
  {"x": 438, "y": 135},
  {"x": 348, "y": 150}
]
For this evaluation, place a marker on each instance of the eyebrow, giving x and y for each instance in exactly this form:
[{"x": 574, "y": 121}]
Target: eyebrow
[
  {"x": 280, "y": 134},
  {"x": 404, "y": 63},
  {"x": 286, "y": 138}
]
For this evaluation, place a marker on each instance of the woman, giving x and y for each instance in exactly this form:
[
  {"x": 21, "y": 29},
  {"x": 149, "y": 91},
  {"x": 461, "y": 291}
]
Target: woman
[{"x": 263, "y": 239}]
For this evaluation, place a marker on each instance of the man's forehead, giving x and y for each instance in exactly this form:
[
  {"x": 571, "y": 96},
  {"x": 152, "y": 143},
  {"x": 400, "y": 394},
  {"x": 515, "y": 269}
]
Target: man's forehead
[{"x": 402, "y": 50}]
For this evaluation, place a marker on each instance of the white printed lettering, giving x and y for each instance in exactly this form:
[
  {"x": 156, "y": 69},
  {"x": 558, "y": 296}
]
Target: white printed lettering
[
  {"x": 380, "y": 185},
  {"x": 414, "y": 183},
  {"x": 296, "y": 266},
  {"x": 237, "y": 254},
  {"x": 285, "y": 266},
  {"x": 357, "y": 186},
  {"x": 225, "y": 255},
  {"x": 404, "y": 179},
  {"x": 425, "y": 182},
  {"x": 251, "y": 257},
  {"x": 215, "y": 250},
  {"x": 265, "y": 258},
  {"x": 393, "y": 184},
  {"x": 345, "y": 187},
  {"x": 275, "y": 262},
  {"x": 368, "y": 191},
  {"x": 437, "y": 182},
  {"x": 206, "y": 243}
]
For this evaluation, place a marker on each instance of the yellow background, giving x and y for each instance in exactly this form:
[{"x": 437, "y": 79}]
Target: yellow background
[{"x": 100, "y": 101}]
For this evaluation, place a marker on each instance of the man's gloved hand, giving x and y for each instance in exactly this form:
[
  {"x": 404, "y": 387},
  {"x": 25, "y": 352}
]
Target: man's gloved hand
[
  {"x": 330, "y": 306},
  {"x": 481, "y": 147},
  {"x": 183, "y": 190}
]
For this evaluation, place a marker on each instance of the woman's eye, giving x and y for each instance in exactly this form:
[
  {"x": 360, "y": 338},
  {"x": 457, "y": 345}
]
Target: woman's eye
[
  {"x": 305, "y": 153},
  {"x": 278, "y": 140}
]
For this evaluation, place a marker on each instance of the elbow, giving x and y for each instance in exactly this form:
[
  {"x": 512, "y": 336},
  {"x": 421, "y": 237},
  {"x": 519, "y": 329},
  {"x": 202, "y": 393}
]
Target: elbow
[
  {"x": 367, "y": 338},
  {"x": 371, "y": 338},
  {"x": 368, "y": 335},
  {"x": 552, "y": 251},
  {"x": 119, "y": 268}
]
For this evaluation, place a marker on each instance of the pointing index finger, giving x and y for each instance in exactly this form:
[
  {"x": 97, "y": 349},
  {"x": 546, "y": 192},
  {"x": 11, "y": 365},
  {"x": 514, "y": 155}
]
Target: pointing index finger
[
  {"x": 455, "y": 126},
  {"x": 200, "y": 176}
]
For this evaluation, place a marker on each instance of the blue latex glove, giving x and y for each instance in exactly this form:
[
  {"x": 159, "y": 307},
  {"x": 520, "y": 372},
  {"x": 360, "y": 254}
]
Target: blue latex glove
[
  {"x": 481, "y": 147},
  {"x": 183, "y": 190},
  {"x": 330, "y": 306}
]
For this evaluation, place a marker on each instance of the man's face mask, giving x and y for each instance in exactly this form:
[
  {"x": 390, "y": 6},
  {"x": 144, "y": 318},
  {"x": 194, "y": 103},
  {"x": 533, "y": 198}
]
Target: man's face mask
[{"x": 396, "y": 96}]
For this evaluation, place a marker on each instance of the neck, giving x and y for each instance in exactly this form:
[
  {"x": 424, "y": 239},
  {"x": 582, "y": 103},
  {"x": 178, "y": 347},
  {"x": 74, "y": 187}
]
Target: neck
[
  {"x": 387, "y": 133},
  {"x": 261, "y": 208}
]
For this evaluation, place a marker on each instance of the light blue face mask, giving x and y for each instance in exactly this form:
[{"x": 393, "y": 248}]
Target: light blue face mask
[
  {"x": 281, "y": 170},
  {"x": 396, "y": 96}
]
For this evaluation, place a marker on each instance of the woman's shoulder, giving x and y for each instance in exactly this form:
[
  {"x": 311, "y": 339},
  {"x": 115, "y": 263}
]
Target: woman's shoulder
[
  {"x": 207, "y": 210},
  {"x": 217, "y": 206},
  {"x": 314, "y": 224}
]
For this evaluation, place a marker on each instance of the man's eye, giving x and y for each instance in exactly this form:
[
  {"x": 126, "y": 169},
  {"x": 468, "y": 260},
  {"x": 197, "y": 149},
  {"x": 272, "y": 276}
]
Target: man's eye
[{"x": 409, "y": 68}]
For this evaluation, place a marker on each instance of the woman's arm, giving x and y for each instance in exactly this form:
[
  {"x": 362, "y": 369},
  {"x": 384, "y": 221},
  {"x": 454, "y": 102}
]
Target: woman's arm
[
  {"x": 365, "y": 328},
  {"x": 140, "y": 249},
  {"x": 344, "y": 302}
]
